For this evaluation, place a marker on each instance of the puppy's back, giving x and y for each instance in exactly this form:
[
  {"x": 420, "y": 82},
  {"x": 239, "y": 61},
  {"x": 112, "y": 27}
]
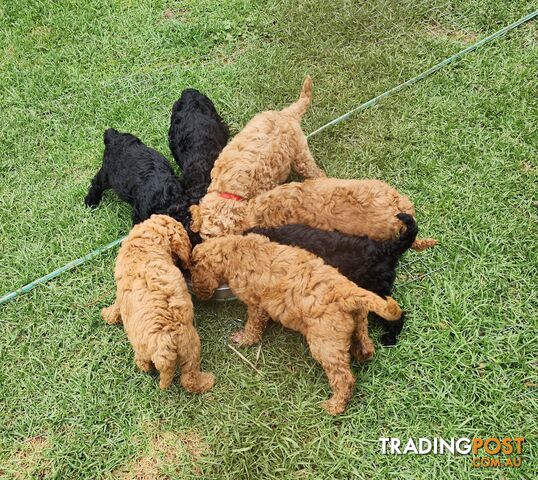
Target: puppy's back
[
  {"x": 196, "y": 128},
  {"x": 191, "y": 100},
  {"x": 125, "y": 147},
  {"x": 368, "y": 263},
  {"x": 288, "y": 261},
  {"x": 146, "y": 272},
  {"x": 354, "y": 207}
]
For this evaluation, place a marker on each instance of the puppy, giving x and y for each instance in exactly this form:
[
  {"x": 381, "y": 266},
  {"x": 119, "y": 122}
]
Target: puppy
[
  {"x": 353, "y": 207},
  {"x": 295, "y": 288},
  {"x": 262, "y": 155},
  {"x": 154, "y": 304},
  {"x": 196, "y": 136},
  {"x": 368, "y": 263},
  {"x": 141, "y": 177}
]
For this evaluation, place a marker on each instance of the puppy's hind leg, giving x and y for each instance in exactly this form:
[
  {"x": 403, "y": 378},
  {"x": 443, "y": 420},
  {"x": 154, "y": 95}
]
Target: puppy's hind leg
[
  {"x": 166, "y": 374},
  {"x": 252, "y": 333},
  {"x": 111, "y": 315},
  {"x": 304, "y": 163},
  {"x": 164, "y": 359},
  {"x": 188, "y": 351},
  {"x": 333, "y": 355},
  {"x": 362, "y": 347},
  {"x": 98, "y": 186}
]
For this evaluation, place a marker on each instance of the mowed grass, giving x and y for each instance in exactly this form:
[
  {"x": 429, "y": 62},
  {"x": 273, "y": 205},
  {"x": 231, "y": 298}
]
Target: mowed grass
[{"x": 462, "y": 145}]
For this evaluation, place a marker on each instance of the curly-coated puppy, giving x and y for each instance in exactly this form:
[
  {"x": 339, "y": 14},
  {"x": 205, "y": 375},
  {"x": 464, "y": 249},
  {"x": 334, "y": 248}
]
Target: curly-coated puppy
[
  {"x": 296, "y": 288},
  {"x": 368, "y": 263},
  {"x": 154, "y": 304},
  {"x": 141, "y": 177},
  {"x": 196, "y": 136},
  {"x": 353, "y": 207},
  {"x": 263, "y": 154}
]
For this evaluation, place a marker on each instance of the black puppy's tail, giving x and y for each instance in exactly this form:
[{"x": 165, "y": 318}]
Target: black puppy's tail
[{"x": 408, "y": 237}]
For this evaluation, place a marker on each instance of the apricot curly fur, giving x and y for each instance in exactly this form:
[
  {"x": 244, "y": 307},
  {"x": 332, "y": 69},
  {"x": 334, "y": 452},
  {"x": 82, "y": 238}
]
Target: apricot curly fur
[
  {"x": 154, "y": 304},
  {"x": 368, "y": 263},
  {"x": 262, "y": 155},
  {"x": 354, "y": 207},
  {"x": 297, "y": 289}
]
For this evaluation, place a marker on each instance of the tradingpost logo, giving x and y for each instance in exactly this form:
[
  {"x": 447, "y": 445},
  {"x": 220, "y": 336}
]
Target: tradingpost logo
[{"x": 490, "y": 452}]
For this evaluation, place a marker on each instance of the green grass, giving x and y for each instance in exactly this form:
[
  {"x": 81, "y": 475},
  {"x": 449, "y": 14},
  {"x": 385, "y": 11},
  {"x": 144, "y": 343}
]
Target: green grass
[{"x": 462, "y": 144}]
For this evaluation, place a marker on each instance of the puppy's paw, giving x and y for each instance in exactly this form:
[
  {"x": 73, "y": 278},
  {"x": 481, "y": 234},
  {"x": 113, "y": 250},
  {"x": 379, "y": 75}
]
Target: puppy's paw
[
  {"x": 91, "y": 202},
  {"x": 361, "y": 352},
  {"x": 205, "y": 383},
  {"x": 143, "y": 365},
  {"x": 389, "y": 340},
  {"x": 111, "y": 315},
  {"x": 165, "y": 382},
  {"x": 241, "y": 339},
  {"x": 238, "y": 337},
  {"x": 333, "y": 407},
  {"x": 198, "y": 383},
  {"x": 367, "y": 350}
]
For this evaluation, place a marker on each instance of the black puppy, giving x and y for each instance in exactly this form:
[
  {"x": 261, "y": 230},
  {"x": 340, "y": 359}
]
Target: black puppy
[
  {"x": 369, "y": 263},
  {"x": 196, "y": 136},
  {"x": 141, "y": 177}
]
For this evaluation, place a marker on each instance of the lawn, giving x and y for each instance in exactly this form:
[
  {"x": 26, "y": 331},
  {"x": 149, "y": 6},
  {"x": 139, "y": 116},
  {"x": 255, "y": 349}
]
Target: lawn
[{"x": 462, "y": 144}]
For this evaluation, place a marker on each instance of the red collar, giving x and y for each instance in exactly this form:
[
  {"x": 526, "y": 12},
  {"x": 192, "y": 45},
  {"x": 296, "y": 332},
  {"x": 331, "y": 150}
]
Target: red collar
[{"x": 231, "y": 196}]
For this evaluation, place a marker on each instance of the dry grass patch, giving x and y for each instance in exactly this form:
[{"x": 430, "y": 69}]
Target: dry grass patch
[
  {"x": 177, "y": 13},
  {"x": 437, "y": 30},
  {"x": 28, "y": 461},
  {"x": 167, "y": 453}
]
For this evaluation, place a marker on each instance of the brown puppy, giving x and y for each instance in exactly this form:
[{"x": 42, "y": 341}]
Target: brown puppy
[
  {"x": 262, "y": 155},
  {"x": 353, "y": 207},
  {"x": 154, "y": 304},
  {"x": 296, "y": 288}
]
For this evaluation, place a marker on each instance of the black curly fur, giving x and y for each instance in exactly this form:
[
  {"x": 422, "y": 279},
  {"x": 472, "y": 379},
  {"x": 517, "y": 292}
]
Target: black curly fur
[
  {"x": 369, "y": 263},
  {"x": 141, "y": 177},
  {"x": 196, "y": 136}
]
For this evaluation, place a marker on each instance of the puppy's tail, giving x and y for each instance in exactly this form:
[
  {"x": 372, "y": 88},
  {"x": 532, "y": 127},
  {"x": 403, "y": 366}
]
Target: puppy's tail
[
  {"x": 405, "y": 206},
  {"x": 423, "y": 243},
  {"x": 385, "y": 308},
  {"x": 299, "y": 108},
  {"x": 408, "y": 237}
]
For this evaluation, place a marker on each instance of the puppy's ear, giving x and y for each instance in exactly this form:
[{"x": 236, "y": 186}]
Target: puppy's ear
[
  {"x": 196, "y": 218},
  {"x": 204, "y": 280},
  {"x": 180, "y": 243}
]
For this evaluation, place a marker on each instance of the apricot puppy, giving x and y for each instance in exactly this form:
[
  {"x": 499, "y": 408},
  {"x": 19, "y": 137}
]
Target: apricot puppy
[
  {"x": 262, "y": 155},
  {"x": 297, "y": 289},
  {"x": 354, "y": 207},
  {"x": 154, "y": 304}
]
